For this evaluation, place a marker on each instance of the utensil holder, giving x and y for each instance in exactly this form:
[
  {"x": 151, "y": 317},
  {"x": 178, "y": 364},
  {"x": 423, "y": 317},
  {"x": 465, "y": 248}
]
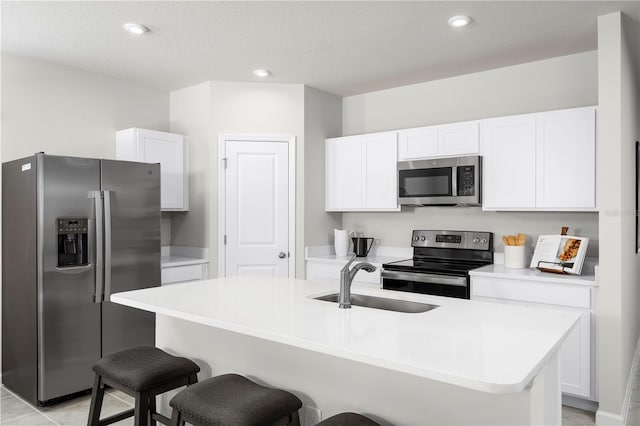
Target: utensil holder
[{"x": 515, "y": 257}]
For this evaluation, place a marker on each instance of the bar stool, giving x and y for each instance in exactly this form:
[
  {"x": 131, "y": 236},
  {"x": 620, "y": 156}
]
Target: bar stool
[
  {"x": 348, "y": 419},
  {"x": 234, "y": 400},
  {"x": 143, "y": 373}
]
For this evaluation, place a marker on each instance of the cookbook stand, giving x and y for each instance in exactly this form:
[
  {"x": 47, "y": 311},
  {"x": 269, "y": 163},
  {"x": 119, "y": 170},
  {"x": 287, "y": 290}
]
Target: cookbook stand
[{"x": 541, "y": 268}]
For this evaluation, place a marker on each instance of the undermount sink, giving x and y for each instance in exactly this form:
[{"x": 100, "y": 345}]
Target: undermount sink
[{"x": 382, "y": 303}]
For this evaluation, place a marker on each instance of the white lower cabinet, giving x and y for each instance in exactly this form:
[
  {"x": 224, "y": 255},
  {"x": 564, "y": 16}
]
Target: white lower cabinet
[
  {"x": 176, "y": 274},
  {"x": 577, "y": 355}
]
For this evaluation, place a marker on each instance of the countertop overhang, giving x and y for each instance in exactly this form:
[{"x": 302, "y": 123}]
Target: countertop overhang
[{"x": 483, "y": 346}]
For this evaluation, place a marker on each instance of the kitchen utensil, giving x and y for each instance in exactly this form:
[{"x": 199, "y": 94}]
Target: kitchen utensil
[
  {"x": 341, "y": 242},
  {"x": 512, "y": 240},
  {"x": 521, "y": 239},
  {"x": 361, "y": 246}
]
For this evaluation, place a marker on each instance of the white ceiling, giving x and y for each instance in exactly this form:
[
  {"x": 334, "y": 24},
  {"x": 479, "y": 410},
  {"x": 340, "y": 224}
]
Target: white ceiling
[{"x": 343, "y": 47}]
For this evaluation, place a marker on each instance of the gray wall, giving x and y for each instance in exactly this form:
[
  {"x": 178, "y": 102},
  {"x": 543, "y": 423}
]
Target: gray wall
[
  {"x": 618, "y": 129},
  {"x": 67, "y": 111},
  {"x": 564, "y": 82},
  {"x": 322, "y": 120},
  {"x": 207, "y": 110}
]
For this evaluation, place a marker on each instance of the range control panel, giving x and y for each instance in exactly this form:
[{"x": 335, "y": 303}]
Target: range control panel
[{"x": 471, "y": 240}]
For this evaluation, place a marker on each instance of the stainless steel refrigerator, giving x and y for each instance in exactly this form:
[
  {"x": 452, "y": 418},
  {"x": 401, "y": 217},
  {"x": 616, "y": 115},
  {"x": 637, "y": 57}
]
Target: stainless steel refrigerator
[{"x": 74, "y": 231}]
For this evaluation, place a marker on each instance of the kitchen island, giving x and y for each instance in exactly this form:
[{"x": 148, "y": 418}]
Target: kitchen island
[{"x": 465, "y": 362}]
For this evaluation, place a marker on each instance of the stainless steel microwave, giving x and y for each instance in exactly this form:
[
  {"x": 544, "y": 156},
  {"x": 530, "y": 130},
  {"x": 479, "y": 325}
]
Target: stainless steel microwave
[{"x": 453, "y": 181}]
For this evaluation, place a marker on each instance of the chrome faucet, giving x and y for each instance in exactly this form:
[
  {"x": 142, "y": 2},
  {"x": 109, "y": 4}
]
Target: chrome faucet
[{"x": 346, "y": 276}]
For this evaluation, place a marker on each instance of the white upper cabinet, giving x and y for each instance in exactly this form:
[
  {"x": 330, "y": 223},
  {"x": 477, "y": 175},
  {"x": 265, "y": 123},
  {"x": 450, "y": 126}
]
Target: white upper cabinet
[
  {"x": 566, "y": 159},
  {"x": 459, "y": 138},
  {"x": 361, "y": 173},
  {"x": 168, "y": 149},
  {"x": 508, "y": 163},
  {"x": 438, "y": 141},
  {"x": 544, "y": 161},
  {"x": 421, "y": 142}
]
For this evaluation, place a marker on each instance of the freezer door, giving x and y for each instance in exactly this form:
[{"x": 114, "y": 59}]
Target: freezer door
[
  {"x": 132, "y": 249},
  {"x": 69, "y": 320}
]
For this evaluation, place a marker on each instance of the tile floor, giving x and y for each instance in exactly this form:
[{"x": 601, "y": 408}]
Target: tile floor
[{"x": 15, "y": 412}]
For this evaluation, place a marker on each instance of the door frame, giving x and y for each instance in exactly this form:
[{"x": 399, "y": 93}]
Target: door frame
[{"x": 290, "y": 140}]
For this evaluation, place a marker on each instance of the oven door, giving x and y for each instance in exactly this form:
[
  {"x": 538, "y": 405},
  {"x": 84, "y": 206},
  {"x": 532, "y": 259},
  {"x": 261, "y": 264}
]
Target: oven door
[{"x": 434, "y": 284}]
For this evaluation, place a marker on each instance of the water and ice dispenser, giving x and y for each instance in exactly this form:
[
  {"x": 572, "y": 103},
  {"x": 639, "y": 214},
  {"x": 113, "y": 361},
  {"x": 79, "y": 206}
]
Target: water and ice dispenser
[{"x": 72, "y": 241}]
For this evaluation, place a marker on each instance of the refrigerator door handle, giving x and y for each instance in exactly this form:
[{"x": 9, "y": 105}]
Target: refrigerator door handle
[
  {"x": 97, "y": 199},
  {"x": 107, "y": 245}
]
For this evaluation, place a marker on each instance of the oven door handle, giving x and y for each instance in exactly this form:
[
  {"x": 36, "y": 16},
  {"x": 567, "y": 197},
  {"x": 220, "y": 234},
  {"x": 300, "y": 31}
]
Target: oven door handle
[{"x": 425, "y": 278}]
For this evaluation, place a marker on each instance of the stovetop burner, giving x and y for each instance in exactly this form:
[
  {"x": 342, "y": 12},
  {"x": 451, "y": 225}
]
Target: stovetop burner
[{"x": 441, "y": 263}]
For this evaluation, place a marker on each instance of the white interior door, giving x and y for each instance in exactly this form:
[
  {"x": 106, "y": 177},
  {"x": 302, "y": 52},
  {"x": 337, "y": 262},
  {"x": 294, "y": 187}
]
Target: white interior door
[{"x": 256, "y": 208}]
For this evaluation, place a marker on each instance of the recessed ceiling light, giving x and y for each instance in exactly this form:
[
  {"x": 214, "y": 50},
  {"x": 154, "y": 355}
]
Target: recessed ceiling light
[
  {"x": 459, "y": 21},
  {"x": 261, "y": 73},
  {"x": 136, "y": 29}
]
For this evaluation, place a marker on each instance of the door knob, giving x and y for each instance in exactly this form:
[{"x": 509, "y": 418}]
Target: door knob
[{"x": 282, "y": 255}]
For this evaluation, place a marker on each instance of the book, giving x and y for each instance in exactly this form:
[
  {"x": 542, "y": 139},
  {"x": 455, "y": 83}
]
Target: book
[{"x": 560, "y": 253}]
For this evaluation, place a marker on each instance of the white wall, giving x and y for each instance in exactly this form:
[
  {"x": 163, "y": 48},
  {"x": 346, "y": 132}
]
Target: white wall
[
  {"x": 556, "y": 83},
  {"x": 618, "y": 129},
  {"x": 66, "y": 111}
]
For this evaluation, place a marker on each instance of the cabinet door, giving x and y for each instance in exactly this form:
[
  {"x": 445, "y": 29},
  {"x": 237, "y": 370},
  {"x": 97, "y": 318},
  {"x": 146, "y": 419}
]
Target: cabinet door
[
  {"x": 344, "y": 173},
  {"x": 575, "y": 358},
  {"x": 509, "y": 169},
  {"x": 380, "y": 180},
  {"x": 168, "y": 150},
  {"x": 418, "y": 143},
  {"x": 458, "y": 139},
  {"x": 566, "y": 159}
]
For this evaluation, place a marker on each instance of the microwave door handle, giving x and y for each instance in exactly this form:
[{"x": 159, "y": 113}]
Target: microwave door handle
[{"x": 454, "y": 181}]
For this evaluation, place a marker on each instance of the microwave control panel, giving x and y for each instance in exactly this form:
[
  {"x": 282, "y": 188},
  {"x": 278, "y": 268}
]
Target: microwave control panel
[{"x": 466, "y": 181}]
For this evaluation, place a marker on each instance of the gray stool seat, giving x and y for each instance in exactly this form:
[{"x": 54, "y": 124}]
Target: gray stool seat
[
  {"x": 348, "y": 419},
  {"x": 144, "y": 368},
  {"x": 231, "y": 399},
  {"x": 143, "y": 373}
]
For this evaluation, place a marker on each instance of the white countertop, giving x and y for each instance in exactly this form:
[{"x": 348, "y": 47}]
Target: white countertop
[
  {"x": 532, "y": 274},
  {"x": 377, "y": 256},
  {"x": 172, "y": 256},
  {"x": 171, "y": 261},
  {"x": 483, "y": 346}
]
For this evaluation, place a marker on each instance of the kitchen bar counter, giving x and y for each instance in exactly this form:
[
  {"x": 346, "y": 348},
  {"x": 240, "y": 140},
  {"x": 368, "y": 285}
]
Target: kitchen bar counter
[{"x": 482, "y": 346}]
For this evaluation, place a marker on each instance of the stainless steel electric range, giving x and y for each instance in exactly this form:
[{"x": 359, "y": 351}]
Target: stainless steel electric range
[{"x": 441, "y": 263}]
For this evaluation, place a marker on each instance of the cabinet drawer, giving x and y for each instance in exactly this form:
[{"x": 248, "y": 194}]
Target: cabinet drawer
[
  {"x": 182, "y": 273},
  {"x": 535, "y": 292}
]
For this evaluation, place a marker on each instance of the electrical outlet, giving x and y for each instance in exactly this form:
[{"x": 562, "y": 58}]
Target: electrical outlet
[{"x": 312, "y": 415}]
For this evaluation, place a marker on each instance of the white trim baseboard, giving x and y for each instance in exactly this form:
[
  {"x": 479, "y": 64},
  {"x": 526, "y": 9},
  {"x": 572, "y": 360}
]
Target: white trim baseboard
[{"x": 606, "y": 418}]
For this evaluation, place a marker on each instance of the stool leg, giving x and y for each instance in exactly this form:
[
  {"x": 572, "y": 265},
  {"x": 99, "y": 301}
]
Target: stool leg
[
  {"x": 152, "y": 410},
  {"x": 97, "y": 395},
  {"x": 141, "y": 411},
  {"x": 295, "y": 418},
  {"x": 176, "y": 418}
]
